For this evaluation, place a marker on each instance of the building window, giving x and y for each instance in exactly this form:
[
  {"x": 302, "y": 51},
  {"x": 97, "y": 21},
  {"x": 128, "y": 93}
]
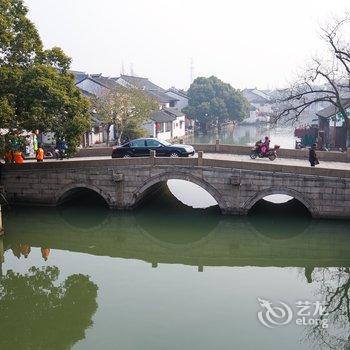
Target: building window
[{"x": 172, "y": 104}]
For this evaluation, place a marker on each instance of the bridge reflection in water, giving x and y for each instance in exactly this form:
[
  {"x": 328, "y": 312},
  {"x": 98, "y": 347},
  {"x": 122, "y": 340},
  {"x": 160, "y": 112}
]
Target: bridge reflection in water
[{"x": 160, "y": 234}]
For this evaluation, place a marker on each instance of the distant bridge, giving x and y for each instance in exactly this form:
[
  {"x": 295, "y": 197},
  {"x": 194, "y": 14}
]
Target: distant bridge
[{"x": 235, "y": 185}]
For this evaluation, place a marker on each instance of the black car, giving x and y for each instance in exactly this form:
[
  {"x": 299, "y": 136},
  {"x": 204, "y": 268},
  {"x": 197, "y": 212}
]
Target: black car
[{"x": 143, "y": 147}]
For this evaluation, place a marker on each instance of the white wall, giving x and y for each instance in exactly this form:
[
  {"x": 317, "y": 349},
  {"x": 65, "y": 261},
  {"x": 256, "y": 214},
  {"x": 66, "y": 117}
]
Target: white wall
[
  {"x": 164, "y": 135},
  {"x": 96, "y": 137},
  {"x": 179, "y": 127}
]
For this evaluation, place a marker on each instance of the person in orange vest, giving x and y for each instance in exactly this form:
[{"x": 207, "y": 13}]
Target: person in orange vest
[
  {"x": 40, "y": 154},
  {"x": 45, "y": 252},
  {"x": 16, "y": 250},
  {"x": 18, "y": 157},
  {"x": 25, "y": 250}
]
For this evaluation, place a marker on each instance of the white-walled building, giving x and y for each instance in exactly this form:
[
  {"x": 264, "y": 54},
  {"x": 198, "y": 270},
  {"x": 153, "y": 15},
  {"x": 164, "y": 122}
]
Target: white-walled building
[
  {"x": 96, "y": 85},
  {"x": 261, "y": 106},
  {"x": 180, "y": 95},
  {"x": 166, "y": 124}
]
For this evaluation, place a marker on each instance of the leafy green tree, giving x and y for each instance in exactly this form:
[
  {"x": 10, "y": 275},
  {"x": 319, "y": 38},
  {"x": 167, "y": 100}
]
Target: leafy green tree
[
  {"x": 36, "y": 89},
  {"x": 213, "y": 102},
  {"x": 126, "y": 108}
]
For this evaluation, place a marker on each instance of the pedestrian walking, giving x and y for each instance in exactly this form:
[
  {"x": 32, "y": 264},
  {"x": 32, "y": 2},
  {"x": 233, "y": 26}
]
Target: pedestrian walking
[
  {"x": 313, "y": 156},
  {"x": 61, "y": 148}
]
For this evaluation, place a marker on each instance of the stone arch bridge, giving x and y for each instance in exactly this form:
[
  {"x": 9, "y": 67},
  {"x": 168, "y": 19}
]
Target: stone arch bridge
[{"x": 124, "y": 183}]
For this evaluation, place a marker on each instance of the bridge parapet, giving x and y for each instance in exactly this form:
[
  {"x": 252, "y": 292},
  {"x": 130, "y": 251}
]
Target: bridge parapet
[{"x": 235, "y": 149}]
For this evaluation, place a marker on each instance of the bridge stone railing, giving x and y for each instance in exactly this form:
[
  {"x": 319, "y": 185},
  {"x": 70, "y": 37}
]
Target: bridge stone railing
[{"x": 234, "y": 149}]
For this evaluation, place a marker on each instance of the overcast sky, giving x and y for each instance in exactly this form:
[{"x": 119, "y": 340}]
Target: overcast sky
[{"x": 249, "y": 43}]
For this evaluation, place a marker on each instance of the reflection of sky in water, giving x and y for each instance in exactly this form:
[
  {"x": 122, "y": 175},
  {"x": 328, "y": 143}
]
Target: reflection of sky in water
[{"x": 191, "y": 194}]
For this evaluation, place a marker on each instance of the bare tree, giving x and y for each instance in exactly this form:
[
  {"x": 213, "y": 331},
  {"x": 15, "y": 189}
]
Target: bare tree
[
  {"x": 125, "y": 108},
  {"x": 326, "y": 80},
  {"x": 334, "y": 289}
]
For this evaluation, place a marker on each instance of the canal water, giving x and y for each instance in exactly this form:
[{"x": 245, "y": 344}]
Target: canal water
[
  {"x": 247, "y": 135},
  {"x": 168, "y": 276}
]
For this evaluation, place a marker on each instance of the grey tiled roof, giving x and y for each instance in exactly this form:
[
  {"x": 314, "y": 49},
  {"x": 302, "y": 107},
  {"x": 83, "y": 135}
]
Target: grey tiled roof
[
  {"x": 162, "y": 117},
  {"x": 332, "y": 110},
  {"x": 161, "y": 96},
  {"x": 181, "y": 93},
  {"x": 142, "y": 83},
  {"x": 78, "y": 76},
  {"x": 174, "y": 111},
  {"x": 109, "y": 83},
  {"x": 86, "y": 93}
]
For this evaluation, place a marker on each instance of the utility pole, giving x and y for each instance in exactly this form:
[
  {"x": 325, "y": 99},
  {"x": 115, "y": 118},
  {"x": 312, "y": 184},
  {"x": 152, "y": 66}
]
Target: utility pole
[
  {"x": 191, "y": 71},
  {"x": 123, "y": 69},
  {"x": 132, "y": 73}
]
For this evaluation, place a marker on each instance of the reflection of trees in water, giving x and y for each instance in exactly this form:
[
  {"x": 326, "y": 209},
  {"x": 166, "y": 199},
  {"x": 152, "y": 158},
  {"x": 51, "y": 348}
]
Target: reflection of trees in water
[
  {"x": 37, "y": 313},
  {"x": 334, "y": 285}
]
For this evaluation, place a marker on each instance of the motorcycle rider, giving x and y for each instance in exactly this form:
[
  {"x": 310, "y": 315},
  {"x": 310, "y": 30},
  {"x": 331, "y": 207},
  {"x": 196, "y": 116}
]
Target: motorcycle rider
[
  {"x": 258, "y": 145},
  {"x": 264, "y": 148}
]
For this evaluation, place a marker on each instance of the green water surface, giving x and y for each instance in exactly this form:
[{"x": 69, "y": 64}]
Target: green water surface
[{"x": 168, "y": 277}]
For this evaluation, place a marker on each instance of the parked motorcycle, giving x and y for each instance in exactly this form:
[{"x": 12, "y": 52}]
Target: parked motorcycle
[{"x": 271, "y": 153}]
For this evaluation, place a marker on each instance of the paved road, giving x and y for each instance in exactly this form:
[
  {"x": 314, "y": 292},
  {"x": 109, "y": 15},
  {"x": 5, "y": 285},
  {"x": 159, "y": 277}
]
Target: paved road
[
  {"x": 282, "y": 161},
  {"x": 245, "y": 158}
]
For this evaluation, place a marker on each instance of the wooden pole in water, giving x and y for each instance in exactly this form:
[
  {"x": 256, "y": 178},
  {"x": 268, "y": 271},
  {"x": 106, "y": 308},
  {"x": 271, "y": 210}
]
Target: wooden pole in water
[
  {"x": 1, "y": 227},
  {"x": 2, "y": 255}
]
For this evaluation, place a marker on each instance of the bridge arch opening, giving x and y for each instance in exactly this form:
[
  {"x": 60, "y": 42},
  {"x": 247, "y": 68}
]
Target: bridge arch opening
[
  {"x": 83, "y": 208},
  {"x": 82, "y": 196},
  {"x": 178, "y": 191},
  {"x": 279, "y": 213},
  {"x": 185, "y": 211},
  {"x": 280, "y": 203}
]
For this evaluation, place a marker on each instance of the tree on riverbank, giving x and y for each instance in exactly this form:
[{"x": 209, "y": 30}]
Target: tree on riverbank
[
  {"x": 213, "y": 102},
  {"x": 126, "y": 108},
  {"x": 36, "y": 89},
  {"x": 327, "y": 79}
]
